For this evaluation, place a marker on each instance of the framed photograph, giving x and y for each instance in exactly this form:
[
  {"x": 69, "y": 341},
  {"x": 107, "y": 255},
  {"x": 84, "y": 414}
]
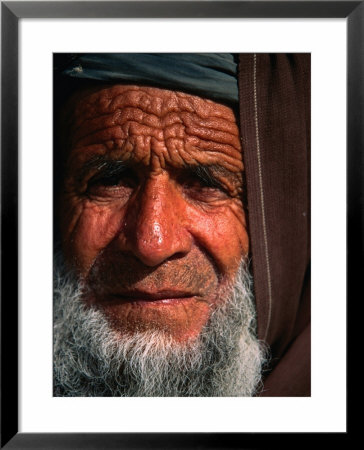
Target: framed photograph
[{"x": 138, "y": 139}]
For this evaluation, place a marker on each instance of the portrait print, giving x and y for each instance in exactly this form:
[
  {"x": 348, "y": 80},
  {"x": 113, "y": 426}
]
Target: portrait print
[{"x": 181, "y": 225}]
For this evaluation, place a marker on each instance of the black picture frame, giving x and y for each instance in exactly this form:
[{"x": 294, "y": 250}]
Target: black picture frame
[{"x": 11, "y": 12}]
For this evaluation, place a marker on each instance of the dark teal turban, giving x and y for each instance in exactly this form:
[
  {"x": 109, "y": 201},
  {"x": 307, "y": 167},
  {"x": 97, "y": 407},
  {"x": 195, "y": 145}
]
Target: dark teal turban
[{"x": 208, "y": 75}]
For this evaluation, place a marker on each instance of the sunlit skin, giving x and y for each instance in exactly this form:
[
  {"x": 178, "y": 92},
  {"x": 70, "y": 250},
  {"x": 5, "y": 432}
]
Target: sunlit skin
[{"x": 151, "y": 211}]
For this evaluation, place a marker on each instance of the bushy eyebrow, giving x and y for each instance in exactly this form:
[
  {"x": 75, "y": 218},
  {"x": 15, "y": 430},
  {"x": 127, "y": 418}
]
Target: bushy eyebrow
[
  {"x": 209, "y": 174},
  {"x": 205, "y": 174},
  {"x": 104, "y": 166}
]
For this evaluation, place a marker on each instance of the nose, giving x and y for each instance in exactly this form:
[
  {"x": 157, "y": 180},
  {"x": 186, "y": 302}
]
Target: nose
[{"x": 155, "y": 229}]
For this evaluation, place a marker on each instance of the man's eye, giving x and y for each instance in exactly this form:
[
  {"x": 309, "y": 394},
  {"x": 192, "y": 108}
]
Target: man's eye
[
  {"x": 114, "y": 180},
  {"x": 201, "y": 188},
  {"x": 112, "y": 185}
]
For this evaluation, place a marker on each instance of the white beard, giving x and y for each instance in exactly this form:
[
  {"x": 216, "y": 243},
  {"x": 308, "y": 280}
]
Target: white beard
[{"x": 91, "y": 360}]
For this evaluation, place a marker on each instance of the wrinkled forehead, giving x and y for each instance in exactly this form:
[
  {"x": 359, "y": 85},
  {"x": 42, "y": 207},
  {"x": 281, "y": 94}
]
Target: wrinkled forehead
[
  {"x": 152, "y": 100},
  {"x": 205, "y": 75},
  {"x": 107, "y": 99},
  {"x": 130, "y": 121}
]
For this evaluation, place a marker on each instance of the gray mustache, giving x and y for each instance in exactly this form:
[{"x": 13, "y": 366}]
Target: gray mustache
[{"x": 125, "y": 272}]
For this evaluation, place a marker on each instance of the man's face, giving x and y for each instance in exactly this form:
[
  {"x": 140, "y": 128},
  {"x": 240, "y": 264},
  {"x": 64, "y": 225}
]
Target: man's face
[{"x": 151, "y": 212}]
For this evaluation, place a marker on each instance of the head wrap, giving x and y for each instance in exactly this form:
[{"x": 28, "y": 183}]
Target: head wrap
[{"x": 209, "y": 75}]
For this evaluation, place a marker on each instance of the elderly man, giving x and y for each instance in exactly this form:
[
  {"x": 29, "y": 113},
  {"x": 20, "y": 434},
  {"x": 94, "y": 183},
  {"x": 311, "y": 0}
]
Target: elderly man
[{"x": 165, "y": 204}]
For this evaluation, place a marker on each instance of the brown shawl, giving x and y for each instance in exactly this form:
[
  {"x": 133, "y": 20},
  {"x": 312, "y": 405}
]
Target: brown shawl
[{"x": 274, "y": 93}]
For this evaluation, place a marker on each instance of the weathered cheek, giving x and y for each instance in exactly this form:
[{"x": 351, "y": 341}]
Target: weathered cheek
[
  {"x": 90, "y": 228},
  {"x": 223, "y": 234}
]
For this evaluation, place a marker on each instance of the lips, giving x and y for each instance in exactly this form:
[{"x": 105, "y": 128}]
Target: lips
[{"x": 144, "y": 297}]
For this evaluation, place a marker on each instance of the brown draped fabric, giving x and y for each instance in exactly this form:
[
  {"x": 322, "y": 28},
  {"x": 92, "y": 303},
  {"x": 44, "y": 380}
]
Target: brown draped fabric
[{"x": 274, "y": 95}]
